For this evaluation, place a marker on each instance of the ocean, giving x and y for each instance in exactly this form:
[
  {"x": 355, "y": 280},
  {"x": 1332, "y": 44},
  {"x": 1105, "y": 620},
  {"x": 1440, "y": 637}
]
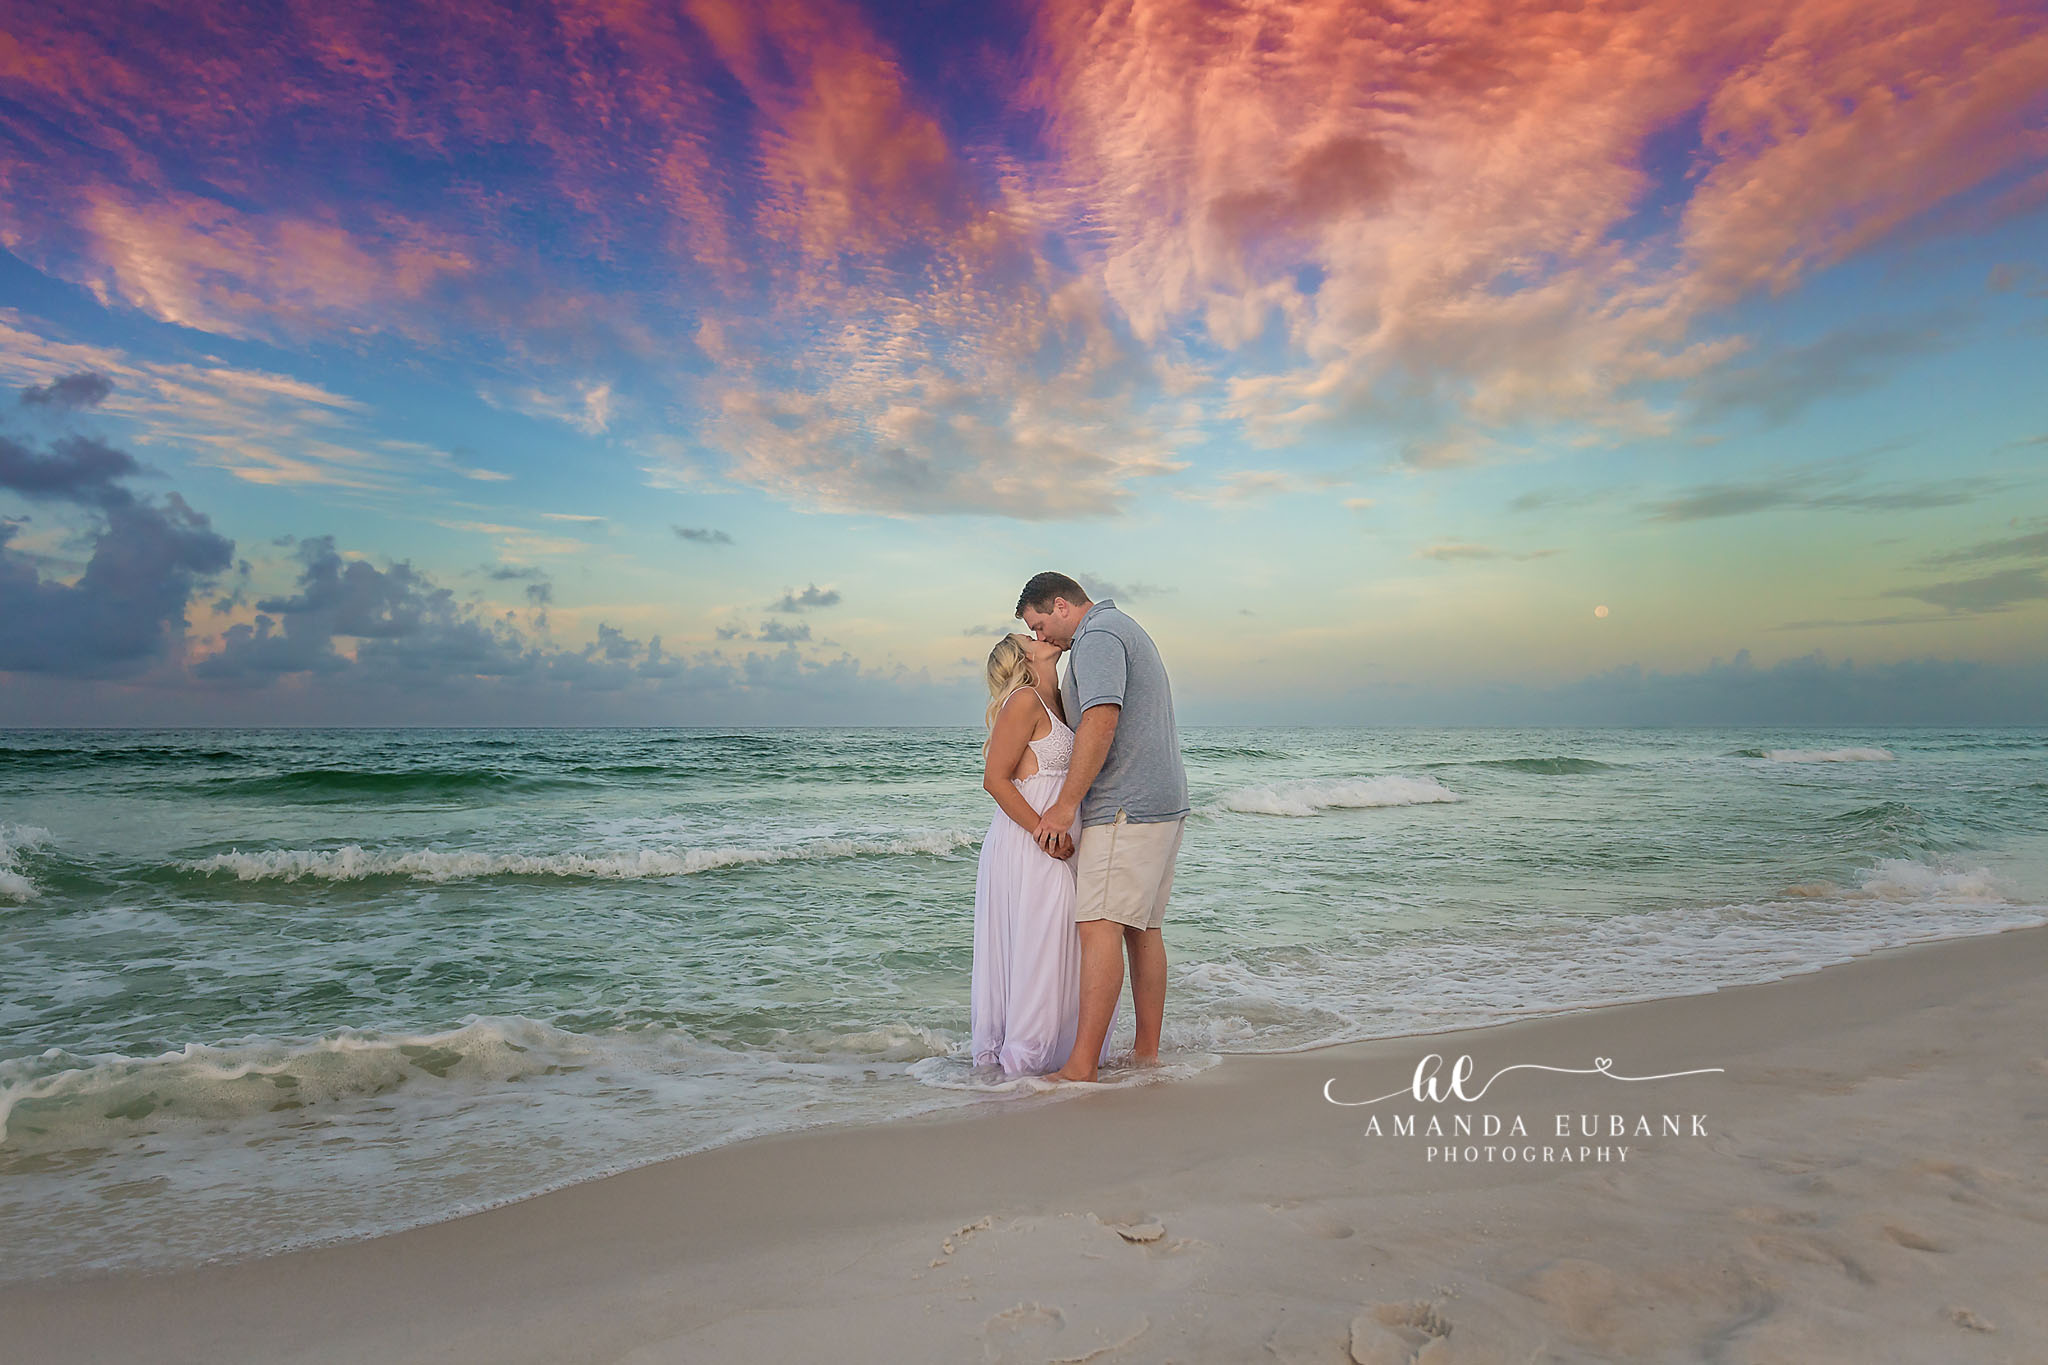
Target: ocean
[{"x": 269, "y": 988}]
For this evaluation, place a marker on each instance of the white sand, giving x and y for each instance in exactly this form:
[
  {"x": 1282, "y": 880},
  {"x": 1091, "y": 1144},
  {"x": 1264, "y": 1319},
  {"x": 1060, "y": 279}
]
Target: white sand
[{"x": 1872, "y": 1188}]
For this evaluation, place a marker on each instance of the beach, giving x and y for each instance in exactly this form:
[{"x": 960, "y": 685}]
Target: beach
[
  {"x": 1869, "y": 1187},
  {"x": 262, "y": 990},
  {"x": 517, "y": 842}
]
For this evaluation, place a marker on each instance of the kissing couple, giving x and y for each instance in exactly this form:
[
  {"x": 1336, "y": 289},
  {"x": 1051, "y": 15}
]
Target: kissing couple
[{"x": 1075, "y": 870}]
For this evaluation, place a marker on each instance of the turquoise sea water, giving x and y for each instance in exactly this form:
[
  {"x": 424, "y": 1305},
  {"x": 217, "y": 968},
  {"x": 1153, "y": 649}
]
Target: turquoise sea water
[{"x": 266, "y": 988}]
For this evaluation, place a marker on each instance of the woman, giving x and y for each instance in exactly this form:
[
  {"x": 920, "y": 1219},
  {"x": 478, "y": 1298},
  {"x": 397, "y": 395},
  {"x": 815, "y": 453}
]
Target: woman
[{"x": 1025, "y": 1000}]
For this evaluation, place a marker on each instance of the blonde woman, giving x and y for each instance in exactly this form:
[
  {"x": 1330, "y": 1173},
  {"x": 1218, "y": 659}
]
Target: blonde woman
[{"x": 1025, "y": 1000}]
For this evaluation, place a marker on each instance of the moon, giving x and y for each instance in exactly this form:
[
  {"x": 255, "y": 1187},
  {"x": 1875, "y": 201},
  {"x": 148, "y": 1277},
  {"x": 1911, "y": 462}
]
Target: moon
[{"x": 1601, "y": 612}]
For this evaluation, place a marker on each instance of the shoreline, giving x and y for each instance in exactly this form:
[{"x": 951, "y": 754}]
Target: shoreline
[
  {"x": 990, "y": 1231},
  {"x": 1021, "y": 1094}
]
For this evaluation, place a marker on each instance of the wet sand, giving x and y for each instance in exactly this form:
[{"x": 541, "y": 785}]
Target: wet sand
[{"x": 1871, "y": 1184}]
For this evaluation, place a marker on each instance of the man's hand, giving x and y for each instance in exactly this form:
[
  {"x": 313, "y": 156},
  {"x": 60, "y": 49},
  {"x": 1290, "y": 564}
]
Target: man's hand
[
  {"x": 1057, "y": 845},
  {"x": 1055, "y": 824}
]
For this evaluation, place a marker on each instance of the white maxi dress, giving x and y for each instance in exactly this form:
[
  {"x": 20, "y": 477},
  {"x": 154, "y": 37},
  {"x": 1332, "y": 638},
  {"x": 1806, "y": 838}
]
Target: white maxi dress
[{"x": 1025, "y": 998}]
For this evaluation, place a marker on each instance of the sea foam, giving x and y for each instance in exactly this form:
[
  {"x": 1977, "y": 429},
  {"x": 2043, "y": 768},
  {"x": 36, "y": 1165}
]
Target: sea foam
[
  {"x": 1366, "y": 985},
  {"x": 353, "y": 862},
  {"x": 70, "y": 1100},
  {"x": 14, "y": 841},
  {"x": 1308, "y": 797},
  {"x": 65, "y": 1099}
]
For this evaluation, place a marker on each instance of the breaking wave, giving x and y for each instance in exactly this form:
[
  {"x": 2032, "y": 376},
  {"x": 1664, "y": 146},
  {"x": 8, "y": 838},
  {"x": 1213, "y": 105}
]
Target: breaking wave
[
  {"x": 14, "y": 841},
  {"x": 61, "y": 1098},
  {"x": 1337, "y": 793},
  {"x": 353, "y": 862}
]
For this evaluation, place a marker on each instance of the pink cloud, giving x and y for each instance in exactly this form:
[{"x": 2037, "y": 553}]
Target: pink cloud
[
  {"x": 1425, "y": 222},
  {"x": 1855, "y": 119},
  {"x": 1456, "y": 175},
  {"x": 198, "y": 263}
]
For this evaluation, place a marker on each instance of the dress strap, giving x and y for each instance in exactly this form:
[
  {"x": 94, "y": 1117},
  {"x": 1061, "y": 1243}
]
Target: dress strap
[
  {"x": 1056, "y": 722},
  {"x": 1027, "y": 687}
]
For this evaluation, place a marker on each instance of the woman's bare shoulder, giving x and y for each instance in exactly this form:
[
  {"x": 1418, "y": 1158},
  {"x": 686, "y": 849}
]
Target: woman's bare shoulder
[
  {"x": 1022, "y": 702},
  {"x": 1015, "y": 712}
]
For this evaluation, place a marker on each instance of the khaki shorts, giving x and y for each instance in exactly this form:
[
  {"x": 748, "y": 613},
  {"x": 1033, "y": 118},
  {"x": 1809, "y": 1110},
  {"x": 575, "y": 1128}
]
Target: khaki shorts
[{"x": 1124, "y": 871}]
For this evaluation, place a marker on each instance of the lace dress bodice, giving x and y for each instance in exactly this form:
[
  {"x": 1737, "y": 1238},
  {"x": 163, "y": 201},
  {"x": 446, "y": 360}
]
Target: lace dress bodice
[{"x": 1054, "y": 752}]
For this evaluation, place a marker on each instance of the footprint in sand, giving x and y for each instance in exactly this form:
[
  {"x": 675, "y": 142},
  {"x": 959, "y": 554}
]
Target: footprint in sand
[
  {"x": 1813, "y": 1251},
  {"x": 1968, "y": 1185},
  {"x": 1035, "y": 1332},
  {"x": 1911, "y": 1240},
  {"x": 1314, "y": 1221},
  {"x": 1771, "y": 1213},
  {"x": 1412, "y": 1333},
  {"x": 1590, "y": 1299},
  {"x": 1025, "y": 1332}
]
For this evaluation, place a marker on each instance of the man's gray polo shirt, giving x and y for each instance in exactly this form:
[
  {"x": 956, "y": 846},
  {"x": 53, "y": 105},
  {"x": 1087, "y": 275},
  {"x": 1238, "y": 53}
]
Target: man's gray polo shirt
[{"x": 1112, "y": 659}]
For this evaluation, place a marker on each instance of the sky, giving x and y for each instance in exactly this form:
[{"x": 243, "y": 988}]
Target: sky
[{"x": 709, "y": 363}]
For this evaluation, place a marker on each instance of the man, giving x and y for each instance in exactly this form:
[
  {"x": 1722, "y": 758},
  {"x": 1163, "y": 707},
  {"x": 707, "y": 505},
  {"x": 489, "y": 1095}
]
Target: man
[{"x": 1127, "y": 783}]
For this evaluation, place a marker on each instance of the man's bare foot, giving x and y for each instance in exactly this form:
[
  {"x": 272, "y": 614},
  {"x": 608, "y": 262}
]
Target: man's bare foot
[
  {"x": 1147, "y": 1059},
  {"x": 1068, "y": 1075}
]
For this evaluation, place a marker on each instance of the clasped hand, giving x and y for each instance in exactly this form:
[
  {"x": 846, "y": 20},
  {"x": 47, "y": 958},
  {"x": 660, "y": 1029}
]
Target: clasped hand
[{"x": 1055, "y": 833}]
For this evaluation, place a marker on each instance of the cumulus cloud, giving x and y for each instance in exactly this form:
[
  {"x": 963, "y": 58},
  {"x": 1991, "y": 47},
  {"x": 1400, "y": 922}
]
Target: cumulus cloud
[
  {"x": 86, "y": 389},
  {"x": 126, "y": 610},
  {"x": 352, "y": 627},
  {"x": 74, "y": 469},
  {"x": 703, "y": 535},
  {"x": 398, "y": 616},
  {"x": 359, "y": 641},
  {"x": 810, "y": 598},
  {"x": 1127, "y": 590}
]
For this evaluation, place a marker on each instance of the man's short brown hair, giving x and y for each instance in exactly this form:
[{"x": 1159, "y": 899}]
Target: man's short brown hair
[{"x": 1043, "y": 587}]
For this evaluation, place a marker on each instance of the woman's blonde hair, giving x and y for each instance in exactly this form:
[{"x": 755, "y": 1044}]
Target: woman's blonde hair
[{"x": 1009, "y": 668}]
